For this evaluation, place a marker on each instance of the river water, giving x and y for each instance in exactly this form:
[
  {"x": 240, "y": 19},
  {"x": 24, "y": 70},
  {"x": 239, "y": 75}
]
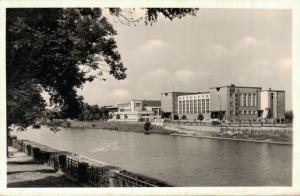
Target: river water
[{"x": 182, "y": 161}]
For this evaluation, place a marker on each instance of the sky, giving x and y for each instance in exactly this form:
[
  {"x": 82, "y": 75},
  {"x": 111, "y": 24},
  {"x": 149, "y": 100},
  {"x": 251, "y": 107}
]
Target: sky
[{"x": 217, "y": 47}]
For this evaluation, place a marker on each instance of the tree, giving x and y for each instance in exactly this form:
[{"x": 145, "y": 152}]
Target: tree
[
  {"x": 125, "y": 116},
  {"x": 183, "y": 117},
  {"x": 118, "y": 116},
  {"x": 220, "y": 116},
  {"x": 176, "y": 117},
  {"x": 288, "y": 115},
  {"x": 200, "y": 117},
  {"x": 269, "y": 113}
]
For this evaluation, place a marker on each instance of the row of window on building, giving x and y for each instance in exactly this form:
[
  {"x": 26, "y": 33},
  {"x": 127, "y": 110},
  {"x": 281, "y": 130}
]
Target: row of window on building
[
  {"x": 193, "y": 106},
  {"x": 247, "y": 99}
]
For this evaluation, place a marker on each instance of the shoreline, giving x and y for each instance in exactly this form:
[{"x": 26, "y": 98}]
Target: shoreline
[
  {"x": 162, "y": 130},
  {"x": 231, "y": 139}
]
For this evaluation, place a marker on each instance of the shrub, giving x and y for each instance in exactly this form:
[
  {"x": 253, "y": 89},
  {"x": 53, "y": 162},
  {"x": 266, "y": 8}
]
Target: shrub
[
  {"x": 176, "y": 117},
  {"x": 183, "y": 117},
  {"x": 200, "y": 117},
  {"x": 118, "y": 116},
  {"x": 147, "y": 125}
]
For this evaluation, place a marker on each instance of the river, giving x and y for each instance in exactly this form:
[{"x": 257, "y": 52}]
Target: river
[{"x": 182, "y": 161}]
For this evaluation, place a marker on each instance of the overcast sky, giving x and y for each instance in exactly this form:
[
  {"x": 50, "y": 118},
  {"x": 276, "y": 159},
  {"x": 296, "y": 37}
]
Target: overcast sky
[{"x": 217, "y": 47}]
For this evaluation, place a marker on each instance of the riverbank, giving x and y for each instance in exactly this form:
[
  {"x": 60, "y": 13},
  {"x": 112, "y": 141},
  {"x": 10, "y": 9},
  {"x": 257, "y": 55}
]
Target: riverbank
[
  {"x": 118, "y": 126},
  {"x": 273, "y": 135}
]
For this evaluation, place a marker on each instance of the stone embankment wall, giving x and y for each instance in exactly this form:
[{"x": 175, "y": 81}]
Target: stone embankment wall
[
  {"x": 85, "y": 171},
  {"x": 259, "y": 131}
]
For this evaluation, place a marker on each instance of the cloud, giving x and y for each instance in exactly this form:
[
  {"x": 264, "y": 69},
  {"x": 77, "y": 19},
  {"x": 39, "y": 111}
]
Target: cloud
[
  {"x": 159, "y": 72},
  {"x": 216, "y": 51},
  {"x": 153, "y": 44},
  {"x": 120, "y": 93},
  {"x": 184, "y": 75},
  {"x": 284, "y": 64},
  {"x": 246, "y": 42}
]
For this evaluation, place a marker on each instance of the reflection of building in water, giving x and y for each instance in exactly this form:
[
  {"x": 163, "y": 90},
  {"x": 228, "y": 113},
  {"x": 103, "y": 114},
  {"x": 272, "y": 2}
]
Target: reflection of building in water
[
  {"x": 138, "y": 110},
  {"x": 273, "y": 104}
]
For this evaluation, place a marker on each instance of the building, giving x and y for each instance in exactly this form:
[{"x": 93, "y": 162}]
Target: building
[
  {"x": 169, "y": 103},
  {"x": 138, "y": 110},
  {"x": 194, "y": 104},
  {"x": 273, "y": 104},
  {"x": 235, "y": 103}
]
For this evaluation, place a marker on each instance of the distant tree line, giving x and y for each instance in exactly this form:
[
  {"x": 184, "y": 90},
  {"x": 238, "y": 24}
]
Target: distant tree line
[{"x": 93, "y": 112}]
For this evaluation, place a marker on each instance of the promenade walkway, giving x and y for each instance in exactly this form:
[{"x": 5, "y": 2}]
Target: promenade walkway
[{"x": 24, "y": 171}]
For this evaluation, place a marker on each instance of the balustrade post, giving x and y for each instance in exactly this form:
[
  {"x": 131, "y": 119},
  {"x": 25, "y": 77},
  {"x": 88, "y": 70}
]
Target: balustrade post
[
  {"x": 82, "y": 172},
  {"x": 62, "y": 159},
  {"x": 36, "y": 152}
]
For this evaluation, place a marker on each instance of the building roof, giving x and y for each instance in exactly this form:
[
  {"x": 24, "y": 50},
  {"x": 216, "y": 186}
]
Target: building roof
[
  {"x": 271, "y": 90},
  {"x": 194, "y": 94},
  {"x": 152, "y": 102},
  {"x": 236, "y": 86}
]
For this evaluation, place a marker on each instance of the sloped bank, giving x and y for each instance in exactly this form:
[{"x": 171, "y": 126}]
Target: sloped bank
[
  {"x": 85, "y": 171},
  {"x": 117, "y": 126}
]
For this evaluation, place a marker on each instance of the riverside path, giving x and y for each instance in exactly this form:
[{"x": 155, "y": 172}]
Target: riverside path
[{"x": 24, "y": 171}]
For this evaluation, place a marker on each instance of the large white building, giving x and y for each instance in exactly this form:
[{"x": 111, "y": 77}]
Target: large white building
[
  {"x": 273, "y": 104},
  {"x": 138, "y": 110},
  {"x": 194, "y": 104}
]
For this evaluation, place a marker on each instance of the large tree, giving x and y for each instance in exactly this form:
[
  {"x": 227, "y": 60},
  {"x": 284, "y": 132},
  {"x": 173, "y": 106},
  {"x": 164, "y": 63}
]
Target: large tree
[{"x": 57, "y": 50}]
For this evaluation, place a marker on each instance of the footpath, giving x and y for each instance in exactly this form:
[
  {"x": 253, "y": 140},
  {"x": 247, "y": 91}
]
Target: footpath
[{"x": 24, "y": 171}]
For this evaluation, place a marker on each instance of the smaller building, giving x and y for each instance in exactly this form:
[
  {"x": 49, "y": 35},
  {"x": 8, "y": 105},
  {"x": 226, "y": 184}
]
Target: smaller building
[
  {"x": 192, "y": 105},
  {"x": 138, "y": 110},
  {"x": 273, "y": 104}
]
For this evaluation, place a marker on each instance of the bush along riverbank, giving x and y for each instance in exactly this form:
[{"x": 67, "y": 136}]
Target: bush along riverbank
[{"x": 118, "y": 126}]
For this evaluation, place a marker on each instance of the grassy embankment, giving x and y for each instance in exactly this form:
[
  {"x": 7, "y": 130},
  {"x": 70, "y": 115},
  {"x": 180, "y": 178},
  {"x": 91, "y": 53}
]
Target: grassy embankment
[{"x": 119, "y": 126}]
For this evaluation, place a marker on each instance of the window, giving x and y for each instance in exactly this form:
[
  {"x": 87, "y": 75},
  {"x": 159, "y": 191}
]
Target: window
[
  {"x": 199, "y": 106},
  {"x": 249, "y": 99},
  {"x": 180, "y": 107},
  {"x": 207, "y": 105},
  {"x": 191, "y": 106},
  {"x": 231, "y": 112},
  {"x": 241, "y": 99},
  {"x": 244, "y": 99},
  {"x": 195, "y": 106}
]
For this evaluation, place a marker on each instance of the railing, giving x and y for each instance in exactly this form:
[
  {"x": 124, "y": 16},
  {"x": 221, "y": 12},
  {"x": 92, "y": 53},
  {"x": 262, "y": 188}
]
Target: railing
[
  {"x": 86, "y": 171},
  {"x": 227, "y": 124},
  {"x": 123, "y": 180}
]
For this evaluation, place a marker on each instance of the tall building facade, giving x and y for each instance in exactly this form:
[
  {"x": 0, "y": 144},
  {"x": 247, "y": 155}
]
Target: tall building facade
[
  {"x": 273, "y": 104},
  {"x": 194, "y": 104},
  {"x": 235, "y": 103}
]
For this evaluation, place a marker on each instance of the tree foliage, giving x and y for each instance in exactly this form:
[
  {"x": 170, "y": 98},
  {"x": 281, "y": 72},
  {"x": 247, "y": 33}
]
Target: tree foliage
[
  {"x": 200, "y": 117},
  {"x": 288, "y": 115},
  {"x": 57, "y": 50}
]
